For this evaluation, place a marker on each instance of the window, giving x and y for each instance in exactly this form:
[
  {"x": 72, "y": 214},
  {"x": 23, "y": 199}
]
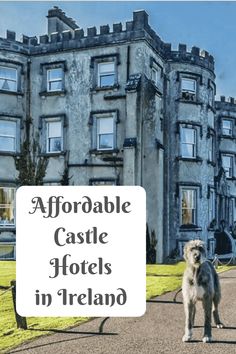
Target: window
[
  {"x": 105, "y": 133},
  {"x": 211, "y": 149},
  {"x": 188, "y": 89},
  {"x": 102, "y": 182},
  {"x": 106, "y": 74},
  {"x": 211, "y": 96},
  {"x": 188, "y": 206},
  {"x": 54, "y": 79},
  {"x": 7, "y": 206},
  {"x": 154, "y": 75},
  {"x": 211, "y": 205},
  {"x": 7, "y": 135},
  {"x": 54, "y": 136},
  {"x": 8, "y": 79},
  {"x": 188, "y": 142},
  {"x": 227, "y": 127},
  {"x": 227, "y": 164}
]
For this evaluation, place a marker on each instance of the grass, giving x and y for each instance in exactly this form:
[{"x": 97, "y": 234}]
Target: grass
[
  {"x": 10, "y": 336},
  {"x": 160, "y": 279}
]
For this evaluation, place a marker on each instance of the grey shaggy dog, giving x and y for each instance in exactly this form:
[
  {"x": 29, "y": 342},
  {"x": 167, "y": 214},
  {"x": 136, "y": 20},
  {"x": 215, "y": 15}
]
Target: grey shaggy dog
[{"x": 200, "y": 282}]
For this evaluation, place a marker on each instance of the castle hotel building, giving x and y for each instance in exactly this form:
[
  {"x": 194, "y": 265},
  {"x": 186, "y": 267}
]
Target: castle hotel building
[{"x": 118, "y": 106}]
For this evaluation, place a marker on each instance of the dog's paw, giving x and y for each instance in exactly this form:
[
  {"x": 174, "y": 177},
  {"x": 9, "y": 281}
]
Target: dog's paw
[
  {"x": 219, "y": 325},
  {"x": 206, "y": 339},
  {"x": 187, "y": 338}
]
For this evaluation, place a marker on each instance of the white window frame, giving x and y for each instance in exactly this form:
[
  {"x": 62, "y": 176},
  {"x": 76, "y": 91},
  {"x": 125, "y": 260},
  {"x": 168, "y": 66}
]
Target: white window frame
[
  {"x": 108, "y": 73},
  {"x": 229, "y": 170},
  {"x": 194, "y": 144},
  {"x": 14, "y": 137},
  {"x": 195, "y": 193},
  {"x": 3, "y": 78},
  {"x": 3, "y": 223},
  {"x": 189, "y": 90},
  {"x": 54, "y": 80},
  {"x": 98, "y": 134},
  {"x": 47, "y": 122},
  {"x": 230, "y": 130}
]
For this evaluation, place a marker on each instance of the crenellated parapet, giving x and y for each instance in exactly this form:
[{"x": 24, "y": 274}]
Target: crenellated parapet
[
  {"x": 74, "y": 37},
  {"x": 195, "y": 56},
  {"x": 10, "y": 44},
  {"x": 226, "y": 104}
]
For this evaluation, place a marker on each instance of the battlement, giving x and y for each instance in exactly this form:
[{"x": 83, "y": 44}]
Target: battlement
[
  {"x": 73, "y": 37},
  {"x": 195, "y": 56},
  {"x": 226, "y": 103}
]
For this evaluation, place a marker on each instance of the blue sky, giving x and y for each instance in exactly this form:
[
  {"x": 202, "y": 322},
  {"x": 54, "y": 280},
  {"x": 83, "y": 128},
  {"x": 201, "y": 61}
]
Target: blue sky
[{"x": 208, "y": 25}]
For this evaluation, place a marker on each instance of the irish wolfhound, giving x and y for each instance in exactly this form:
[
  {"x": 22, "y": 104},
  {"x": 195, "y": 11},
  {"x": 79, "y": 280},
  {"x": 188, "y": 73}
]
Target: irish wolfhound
[{"x": 200, "y": 282}]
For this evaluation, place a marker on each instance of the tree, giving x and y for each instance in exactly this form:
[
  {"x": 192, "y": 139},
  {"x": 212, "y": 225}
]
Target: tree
[{"x": 30, "y": 164}]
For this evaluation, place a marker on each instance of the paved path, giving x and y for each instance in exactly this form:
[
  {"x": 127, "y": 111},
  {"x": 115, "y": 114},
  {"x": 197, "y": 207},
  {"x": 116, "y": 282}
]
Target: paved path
[{"x": 158, "y": 332}]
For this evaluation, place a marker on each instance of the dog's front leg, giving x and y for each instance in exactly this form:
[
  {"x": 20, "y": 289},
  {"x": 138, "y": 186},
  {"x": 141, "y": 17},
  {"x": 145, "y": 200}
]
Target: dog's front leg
[
  {"x": 189, "y": 309},
  {"x": 207, "y": 306}
]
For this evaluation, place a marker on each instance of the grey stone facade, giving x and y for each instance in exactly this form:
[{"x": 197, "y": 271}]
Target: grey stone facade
[{"x": 119, "y": 106}]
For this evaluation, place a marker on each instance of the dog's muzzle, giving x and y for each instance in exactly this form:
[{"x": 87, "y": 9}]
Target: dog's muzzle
[{"x": 197, "y": 258}]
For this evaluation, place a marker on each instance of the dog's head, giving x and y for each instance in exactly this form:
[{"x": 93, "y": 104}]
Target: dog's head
[{"x": 195, "y": 253}]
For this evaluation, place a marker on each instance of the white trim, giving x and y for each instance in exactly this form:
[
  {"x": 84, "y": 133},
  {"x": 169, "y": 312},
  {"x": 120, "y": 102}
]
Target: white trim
[
  {"x": 16, "y": 80},
  {"x": 54, "y": 80}
]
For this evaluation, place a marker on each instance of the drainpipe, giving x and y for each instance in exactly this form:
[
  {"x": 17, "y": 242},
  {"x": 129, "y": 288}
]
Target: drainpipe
[
  {"x": 28, "y": 100},
  {"x": 128, "y": 63}
]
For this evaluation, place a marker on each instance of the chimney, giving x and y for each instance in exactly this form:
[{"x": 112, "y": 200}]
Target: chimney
[{"x": 59, "y": 22}]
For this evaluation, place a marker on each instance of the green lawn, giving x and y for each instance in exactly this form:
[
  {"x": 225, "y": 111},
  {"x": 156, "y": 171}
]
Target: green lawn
[{"x": 160, "y": 279}]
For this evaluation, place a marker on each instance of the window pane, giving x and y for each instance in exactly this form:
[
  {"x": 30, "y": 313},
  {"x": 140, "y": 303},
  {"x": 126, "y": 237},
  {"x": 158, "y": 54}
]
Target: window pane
[
  {"x": 188, "y": 198},
  {"x": 227, "y": 124},
  {"x": 188, "y": 85},
  {"x": 188, "y": 135},
  {"x": 54, "y": 129},
  {"x": 7, "y": 73},
  {"x": 227, "y": 161},
  {"x": 154, "y": 75},
  {"x": 106, "y": 141},
  {"x": 7, "y": 128},
  {"x": 54, "y": 144},
  {"x": 107, "y": 80},
  {"x": 55, "y": 86},
  {"x": 106, "y": 68},
  {"x": 7, "y": 135},
  {"x": 7, "y": 144},
  {"x": 187, "y": 150},
  {"x": 55, "y": 74},
  {"x": 7, "y": 195},
  {"x": 7, "y": 85},
  {"x": 105, "y": 125},
  {"x": 227, "y": 127},
  {"x": 6, "y": 216},
  {"x": 188, "y": 205}
]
